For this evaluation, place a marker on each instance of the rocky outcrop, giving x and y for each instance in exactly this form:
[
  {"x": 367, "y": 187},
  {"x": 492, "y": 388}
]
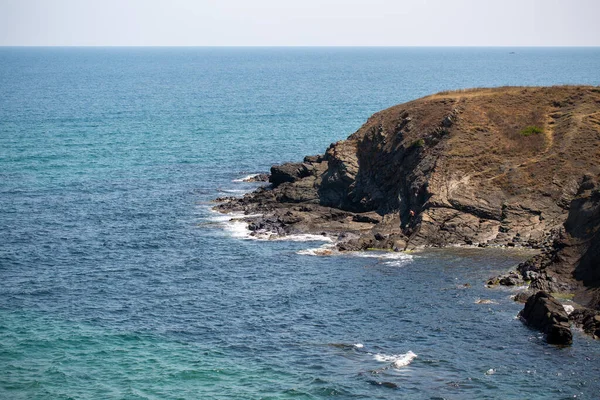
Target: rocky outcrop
[
  {"x": 257, "y": 178},
  {"x": 543, "y": 312},
  {"x": 455, "y": 168},
  {"x": 572, "y": 263},
  {"x": 578, "y": 248},
  {"x": 511, "y": 278},
  {"x": 291, "y": 172},
  {"x": 588, "y": 320}
]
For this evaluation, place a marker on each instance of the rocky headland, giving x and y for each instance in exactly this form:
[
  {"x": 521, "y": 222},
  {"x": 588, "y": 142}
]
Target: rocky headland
[{"x": 512, "y": 166}]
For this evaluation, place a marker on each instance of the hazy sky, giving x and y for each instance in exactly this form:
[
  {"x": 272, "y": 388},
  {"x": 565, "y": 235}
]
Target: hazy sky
[{"x": 300, "y": 23}]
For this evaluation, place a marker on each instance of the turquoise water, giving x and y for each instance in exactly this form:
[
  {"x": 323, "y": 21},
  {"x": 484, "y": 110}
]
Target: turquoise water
[{"x": 117, "y": 281}]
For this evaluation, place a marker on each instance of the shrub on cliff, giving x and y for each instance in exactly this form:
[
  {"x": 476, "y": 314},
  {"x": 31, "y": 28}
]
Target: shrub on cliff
[{"x": 531, "y": 130}]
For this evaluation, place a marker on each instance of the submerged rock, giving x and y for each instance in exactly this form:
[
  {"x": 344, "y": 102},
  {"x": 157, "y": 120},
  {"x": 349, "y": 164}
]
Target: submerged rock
[
  {"x": 522, "y": 297},
  {"x": 390, "y": 385}
]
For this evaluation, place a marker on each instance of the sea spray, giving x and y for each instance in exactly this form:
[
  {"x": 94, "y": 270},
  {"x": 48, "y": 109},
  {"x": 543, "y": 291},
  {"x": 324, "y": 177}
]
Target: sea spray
[{"x": 396, "y": 360}]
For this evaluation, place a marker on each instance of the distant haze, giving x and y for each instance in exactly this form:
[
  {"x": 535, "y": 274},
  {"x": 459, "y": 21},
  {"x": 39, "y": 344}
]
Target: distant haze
[{"x": 299, "y": 23}]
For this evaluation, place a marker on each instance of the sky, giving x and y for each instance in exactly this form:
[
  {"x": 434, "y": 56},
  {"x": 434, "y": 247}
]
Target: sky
[{"x": 299, "y": 23}]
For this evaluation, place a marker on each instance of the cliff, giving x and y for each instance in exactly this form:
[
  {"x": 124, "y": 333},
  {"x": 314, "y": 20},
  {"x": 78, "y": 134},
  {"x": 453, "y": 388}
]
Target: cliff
[
  {"x": 480, "y": 167},
  {"x": 574, "y": 257}
]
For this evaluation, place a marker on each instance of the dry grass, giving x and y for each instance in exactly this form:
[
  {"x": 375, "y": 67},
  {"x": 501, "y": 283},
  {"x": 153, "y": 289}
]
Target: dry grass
[{"x": 487, "y": 141}]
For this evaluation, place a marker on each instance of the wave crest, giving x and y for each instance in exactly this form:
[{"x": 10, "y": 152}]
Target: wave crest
[{"x": 397, "y": 360}]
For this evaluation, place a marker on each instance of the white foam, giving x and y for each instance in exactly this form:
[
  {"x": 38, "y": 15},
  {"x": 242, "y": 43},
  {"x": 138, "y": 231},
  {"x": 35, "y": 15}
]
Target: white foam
[
  {"x": 220, "y": 217},
  {"x": 325, "y": 250},
  {"x": 328, "y": 249},
  {"x": 246, "y": 178},
  {"x": 568, "y": 308},
  {"x": 359, "y": 345},
  {"x": 398, "y": 263},
  {"x": 234, "y": 223},
  {"x": 267, "y": 235},
  {"x": 386, "y": 255},
  {"x": 397, "y": 360},
  {"x": 238, "y": 227},
  {"x": 391, "y": 258},
  {"x": 485, "y": 301},
  {"x": 304, "y": 238},
  {"x": 233, "y": 191}
]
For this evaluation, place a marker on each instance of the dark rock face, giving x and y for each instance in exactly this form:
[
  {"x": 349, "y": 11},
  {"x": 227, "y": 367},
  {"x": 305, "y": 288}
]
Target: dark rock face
[
  {"x": 511, "y": 278},
  {"x": 543, "y": 312},
  {"x": 588, "y": 320},
  {"x": 581, "y": 242},
  {"x": 522, "y": 297},
  {"x": 290, "y": 172},
  {"x": 574, "y": 257}
]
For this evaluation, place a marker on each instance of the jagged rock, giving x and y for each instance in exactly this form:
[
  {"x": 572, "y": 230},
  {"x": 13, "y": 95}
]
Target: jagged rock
[
  {"x": 511, "y": 278},
  {"x": 290, "y": 172},
  {"x": 588, "y": 320},
  {"x": 530, "y": 275},
  {"x": 543, "y": 312},
  {"x": 549, "y": 284},
  {"x": 313, "y": 159},
  {"x": 379, "y": 236},
  {"x": 372, "y": 218},
  {"x": 522, "y": 297},
  {"x": 399, "y": 245},
  {"x": 574, "y": 255},
  {"x": 258, "y": 178}
]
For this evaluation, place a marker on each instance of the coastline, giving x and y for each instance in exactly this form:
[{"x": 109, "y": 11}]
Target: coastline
[{"x": 420, "y": 175}]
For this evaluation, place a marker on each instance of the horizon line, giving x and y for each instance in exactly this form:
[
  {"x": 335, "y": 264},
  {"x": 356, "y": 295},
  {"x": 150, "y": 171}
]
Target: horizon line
[{"x": 293, "y": 46}]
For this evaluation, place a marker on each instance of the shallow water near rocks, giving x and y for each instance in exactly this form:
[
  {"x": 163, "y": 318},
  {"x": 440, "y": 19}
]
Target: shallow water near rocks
[{"x": 118, "y": 282}]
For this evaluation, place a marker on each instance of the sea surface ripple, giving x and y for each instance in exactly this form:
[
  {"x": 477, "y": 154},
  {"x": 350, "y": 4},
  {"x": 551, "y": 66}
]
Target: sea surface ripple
[{"x": 116, "y": 281}]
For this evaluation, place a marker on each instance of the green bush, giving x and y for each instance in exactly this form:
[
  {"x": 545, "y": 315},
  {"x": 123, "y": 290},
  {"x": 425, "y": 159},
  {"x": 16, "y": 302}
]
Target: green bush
[
  {"x": 531, "y": 130},
  {"x": 418, "y": 143}
]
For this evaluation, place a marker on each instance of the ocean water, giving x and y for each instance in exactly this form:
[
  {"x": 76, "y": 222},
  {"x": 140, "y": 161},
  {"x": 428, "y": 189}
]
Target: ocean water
[{"x": 117, "y": 281}]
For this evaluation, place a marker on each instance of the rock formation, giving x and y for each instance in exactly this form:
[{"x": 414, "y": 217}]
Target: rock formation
[
  {"x": 588, "y": 320},
  {"x": 513, "y": 166},
  {"x": 573, "y": 259},
  {"x": 463, "y": 167},
  {"x": 543, "y": 312}
]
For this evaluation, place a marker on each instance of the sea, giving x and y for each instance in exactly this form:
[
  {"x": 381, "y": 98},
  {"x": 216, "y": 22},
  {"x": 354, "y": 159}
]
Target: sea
[{"x": 118, "y": 281}]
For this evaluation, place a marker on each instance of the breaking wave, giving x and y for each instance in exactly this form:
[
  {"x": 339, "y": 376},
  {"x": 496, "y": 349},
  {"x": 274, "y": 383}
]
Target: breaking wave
[
  {"x": 396, "y": 360},
  {"x": 245, "y": 178}
]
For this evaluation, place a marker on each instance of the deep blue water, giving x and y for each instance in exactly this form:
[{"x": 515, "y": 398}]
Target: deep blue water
[{"x": 117, "y": 281}]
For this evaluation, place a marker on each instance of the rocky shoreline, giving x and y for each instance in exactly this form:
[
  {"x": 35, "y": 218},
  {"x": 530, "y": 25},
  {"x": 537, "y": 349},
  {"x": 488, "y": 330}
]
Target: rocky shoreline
[{"x": 505, "y": 167}]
